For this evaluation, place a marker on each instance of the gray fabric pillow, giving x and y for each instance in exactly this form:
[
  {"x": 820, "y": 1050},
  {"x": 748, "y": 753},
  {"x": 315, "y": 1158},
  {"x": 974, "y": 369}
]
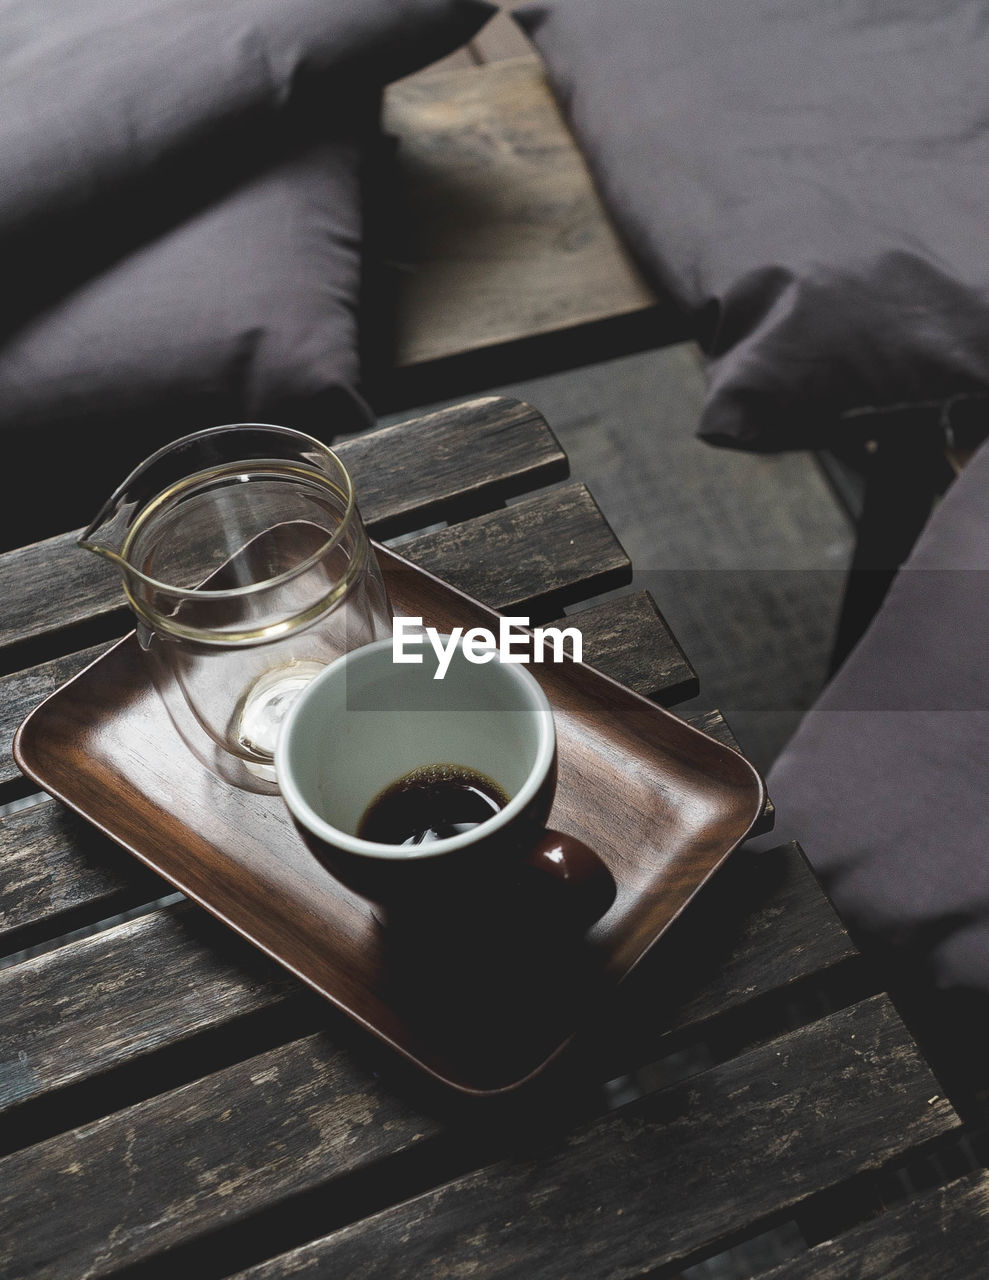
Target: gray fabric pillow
[
  {"x": 119, "y": 117},
  {"x": 182, "y": 221},
  {"x": 809, "y": 180},
  {"x": 247, "y": 311},
  {"x": 886, "y": 782}
]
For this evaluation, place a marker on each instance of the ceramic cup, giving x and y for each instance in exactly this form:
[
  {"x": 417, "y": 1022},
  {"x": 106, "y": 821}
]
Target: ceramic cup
[{"x": 367, "y": 721}]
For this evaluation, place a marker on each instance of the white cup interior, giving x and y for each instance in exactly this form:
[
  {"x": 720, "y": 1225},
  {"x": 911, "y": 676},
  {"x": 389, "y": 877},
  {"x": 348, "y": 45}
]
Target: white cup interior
[{"x": 367, "y": 721}]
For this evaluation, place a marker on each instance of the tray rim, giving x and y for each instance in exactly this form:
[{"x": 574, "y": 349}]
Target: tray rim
[{"x": 403, "y": 564}]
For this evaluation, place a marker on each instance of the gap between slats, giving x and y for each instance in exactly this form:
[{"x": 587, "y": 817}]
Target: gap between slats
[
  {"x": 235, "y": 985},
  {"x": 660, "y": 1128},
  {"x": 455, "y": 1212},
  {"x": 486, "y": 557},
  {"x": 453, "y": 463},
  {"x": 37, "y": 848},
  {"x": 84, "y": 880}
]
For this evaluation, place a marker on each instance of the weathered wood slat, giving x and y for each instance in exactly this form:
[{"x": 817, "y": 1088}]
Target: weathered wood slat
[
  {"x": 167, "y": 1170},
  {"x": 456, "y": 461},
  {"x": 453, "y": 463},
  {"x": 491, "y": 175},
  {"x": 22, "y": 691},
  {"x": 537, "y": 555},
  {"x": 761, "y": 927},
  {"x": 944, "y": 1232},
  {"x": 138, "y": 978},
  {"x": 636, "y": 1188},
  {"x": 488, "y": 557},
  {"x": 53, "y": 864},
  {"x": 501, "y": 37},
  {"x": 667, "y": 1176},
  {"x": 121, "y": 994},
  {"x": 629, "y": 640},
  {"x": 53, "y": 584},
  {"x": 790, "y": 920}
]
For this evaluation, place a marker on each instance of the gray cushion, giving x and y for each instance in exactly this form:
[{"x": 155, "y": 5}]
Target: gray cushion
[
  {"x": 808, "y": 180},
  {"x": 886, "y": 782},
  {"x": 246, "y": 311},
  {"x": 118, "y": 117},
  {"x": 182, "y": 219}
]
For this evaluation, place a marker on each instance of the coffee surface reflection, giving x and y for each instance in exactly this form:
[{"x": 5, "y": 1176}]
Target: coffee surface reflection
[{"x": 431, "y": 803}]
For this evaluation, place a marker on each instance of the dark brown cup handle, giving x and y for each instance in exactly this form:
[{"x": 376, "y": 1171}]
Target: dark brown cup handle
[{"x": 571, "y": 878}]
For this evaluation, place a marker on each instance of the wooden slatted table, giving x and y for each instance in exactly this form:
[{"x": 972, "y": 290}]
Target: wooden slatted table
[{"x": 173, "y": 1103}]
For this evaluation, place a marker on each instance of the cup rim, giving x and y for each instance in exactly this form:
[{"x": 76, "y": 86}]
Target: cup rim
[{"x": 305, "y": 814}]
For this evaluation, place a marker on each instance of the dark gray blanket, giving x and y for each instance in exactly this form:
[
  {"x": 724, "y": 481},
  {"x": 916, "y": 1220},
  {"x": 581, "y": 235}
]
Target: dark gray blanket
[
  {"x": 182, "y": 217},
  {"x": 809, "y": 179},
  {"x": 886, "y": 783},
  {"x": 119, "y": 117}
]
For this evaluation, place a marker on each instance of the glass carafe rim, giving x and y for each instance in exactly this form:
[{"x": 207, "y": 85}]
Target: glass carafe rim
[{"x": 128, "y": 569}]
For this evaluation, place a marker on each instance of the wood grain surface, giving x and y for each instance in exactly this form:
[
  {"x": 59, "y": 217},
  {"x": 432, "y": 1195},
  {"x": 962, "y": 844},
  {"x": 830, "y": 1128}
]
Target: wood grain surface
[
  {"x": 21, "y": 692},
  {"x": 462, "y": 460},
  {"x": 534, "y": 557},
  {"x": 629, "y": 640},
  {"x": 174, "y": 1101},
  {"x": 714, "y": 723},
  {"x": 505, "y": 234},
  {"x": 57, "y": 870},
  {"x": 124, "y": 993},
  {"x": 762, "y": 929},
  {"x": 939, "y": 1233},
  {"x": 138, "y": 977},
  {"x": 180, "y": 1165},
  {"x": 666, "y": 1175},
  {"x": 104, "y": 744},
  {"x": 634, "y": 1189}
]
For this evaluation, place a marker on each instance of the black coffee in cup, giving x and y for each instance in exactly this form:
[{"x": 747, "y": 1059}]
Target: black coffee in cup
[{"x": 433, "y": 802}]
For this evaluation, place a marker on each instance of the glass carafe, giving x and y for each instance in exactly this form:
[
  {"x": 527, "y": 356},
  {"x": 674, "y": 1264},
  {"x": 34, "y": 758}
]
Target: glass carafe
[{"x": 246, "y": 563}]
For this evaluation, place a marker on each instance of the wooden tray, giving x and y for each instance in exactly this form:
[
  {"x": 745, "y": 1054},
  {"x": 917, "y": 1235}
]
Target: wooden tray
[{"x": 661, "y": 803}]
